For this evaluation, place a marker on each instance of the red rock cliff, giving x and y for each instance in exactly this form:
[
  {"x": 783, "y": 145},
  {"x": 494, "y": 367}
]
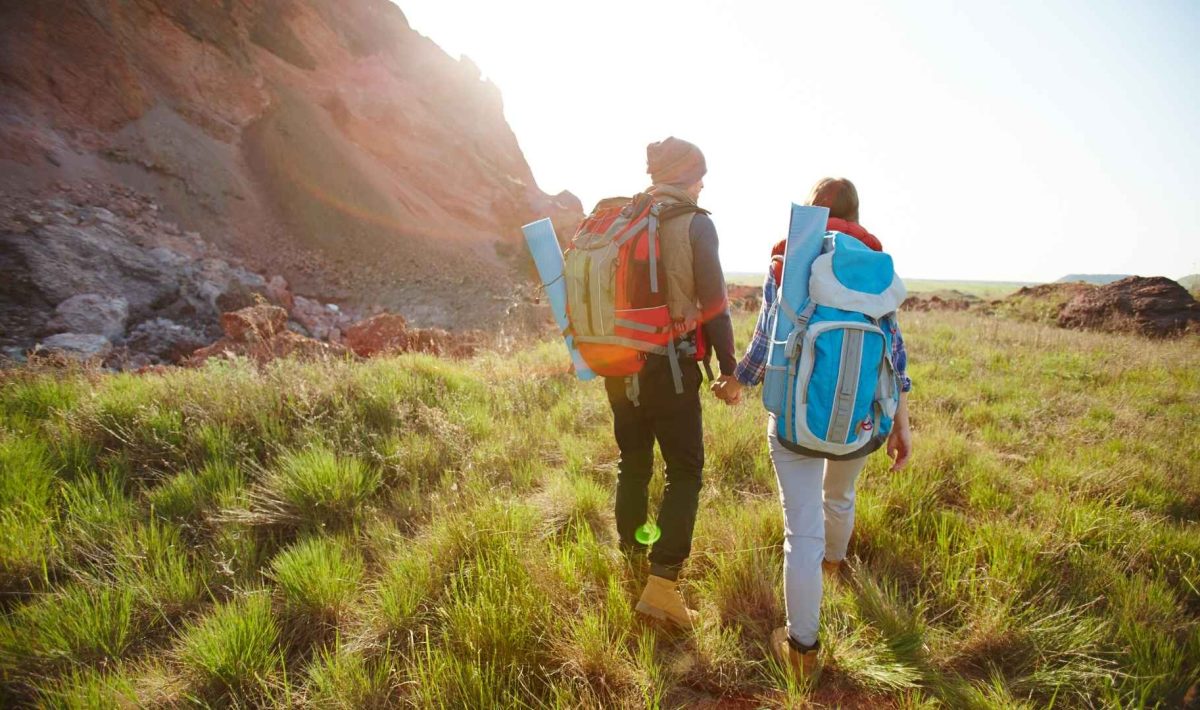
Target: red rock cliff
[{"x": 322, "y": 139}]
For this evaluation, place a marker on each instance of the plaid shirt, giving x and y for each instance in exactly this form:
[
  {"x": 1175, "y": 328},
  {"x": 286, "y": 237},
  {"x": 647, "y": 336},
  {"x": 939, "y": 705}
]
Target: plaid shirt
[{"x": 754, "y": 363}]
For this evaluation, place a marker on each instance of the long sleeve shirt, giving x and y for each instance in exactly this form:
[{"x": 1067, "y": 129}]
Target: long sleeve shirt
[
  {"x": 710, "y": 292},
  {"x": 754, "y": 363}
]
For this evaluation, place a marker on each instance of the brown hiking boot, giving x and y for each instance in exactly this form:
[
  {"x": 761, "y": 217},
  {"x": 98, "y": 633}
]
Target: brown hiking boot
[
  {"x": 803, "y": 665},
  {"x": 661, "y": 600}
]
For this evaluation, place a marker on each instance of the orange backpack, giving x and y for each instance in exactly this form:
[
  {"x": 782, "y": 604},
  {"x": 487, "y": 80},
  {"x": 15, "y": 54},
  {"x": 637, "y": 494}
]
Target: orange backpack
[{"x": 616, "y": 286}]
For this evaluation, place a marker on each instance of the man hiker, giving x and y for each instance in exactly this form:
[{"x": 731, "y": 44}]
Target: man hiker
[{"x": 661, "y": 410}]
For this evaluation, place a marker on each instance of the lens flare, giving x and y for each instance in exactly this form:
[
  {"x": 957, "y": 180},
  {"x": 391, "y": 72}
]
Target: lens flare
[{"x": 647, "y": 534}]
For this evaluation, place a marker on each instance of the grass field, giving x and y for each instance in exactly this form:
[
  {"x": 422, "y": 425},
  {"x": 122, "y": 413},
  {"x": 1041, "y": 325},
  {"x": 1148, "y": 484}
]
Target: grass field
[
  {"x": 981, "y": 289},
  {"x": 410, "y": 532}
]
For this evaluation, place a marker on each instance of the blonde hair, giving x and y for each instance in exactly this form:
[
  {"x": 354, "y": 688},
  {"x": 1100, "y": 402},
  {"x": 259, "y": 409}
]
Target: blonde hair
[{"x": 839, "y": 195}]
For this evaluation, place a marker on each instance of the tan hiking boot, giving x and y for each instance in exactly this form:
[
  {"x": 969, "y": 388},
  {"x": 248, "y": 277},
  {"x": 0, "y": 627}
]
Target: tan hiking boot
[
  {"x": 831, "y": 569},
  {"x": 803, "y": 665},
  {"x": 661, "y": 600}
]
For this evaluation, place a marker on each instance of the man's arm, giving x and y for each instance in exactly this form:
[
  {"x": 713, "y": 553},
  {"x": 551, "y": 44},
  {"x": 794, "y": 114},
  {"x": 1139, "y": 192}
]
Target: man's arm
[{"x": 710, "y": 292}]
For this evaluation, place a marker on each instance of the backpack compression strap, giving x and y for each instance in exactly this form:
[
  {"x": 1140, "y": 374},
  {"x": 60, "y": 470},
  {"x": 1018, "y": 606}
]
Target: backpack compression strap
[
  {"x": 652, "y": 233},
  {"x": 792, "y": 353},
  {"x": 659, "y": 212}
]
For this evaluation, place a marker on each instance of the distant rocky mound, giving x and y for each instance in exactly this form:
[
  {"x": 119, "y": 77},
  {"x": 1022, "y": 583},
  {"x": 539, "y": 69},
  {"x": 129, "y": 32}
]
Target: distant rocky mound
[
  {"x": 1191, "y": 282},
  {"x": 323, "y": 143},
  {"x": 1098, "y": 279},
  {"x": 947, "y": 300},
  {"x": 1039, "y": 304},
  {"x": 1155, "y": 306},
  {"x": 743, "y": 297}
]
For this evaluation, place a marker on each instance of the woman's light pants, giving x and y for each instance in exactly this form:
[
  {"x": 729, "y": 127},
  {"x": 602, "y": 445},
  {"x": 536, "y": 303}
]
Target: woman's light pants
[{"x": 818, "y": 517}]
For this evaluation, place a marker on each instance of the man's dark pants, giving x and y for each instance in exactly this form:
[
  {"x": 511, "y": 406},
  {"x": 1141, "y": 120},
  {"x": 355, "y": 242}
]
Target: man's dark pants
[{"x": 674, "y": 420}]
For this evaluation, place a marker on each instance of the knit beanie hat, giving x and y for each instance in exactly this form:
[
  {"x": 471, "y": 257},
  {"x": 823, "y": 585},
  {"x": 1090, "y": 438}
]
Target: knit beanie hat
[{"x": 675, "y": 162}]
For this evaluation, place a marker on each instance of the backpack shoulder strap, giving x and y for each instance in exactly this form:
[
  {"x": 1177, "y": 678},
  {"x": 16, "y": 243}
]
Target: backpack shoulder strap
[{"x": 678, "y": 209}]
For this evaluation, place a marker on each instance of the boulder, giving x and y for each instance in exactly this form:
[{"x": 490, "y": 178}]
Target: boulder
[
  {"x": 261, "y": 333},
  {"x": 254, "y": 323},
  {"x": 12, "y": 356},
  {"x": 320, "y": 320},
  {"x": 212, "y": 286},
  {"x": 281, "y": 345},
  {"x": 61, "y": 260},
  {"x": 389, "y": 333},
  {"x": 91, "y": 313},
  {"x": 77, "y": 346},
  {"x": 279, "y": 293},
  {"x": 385, "y": 332},
  {"x": 163, "y": 340},
  {"x": 1155, "y": 306},
  {"x": 432, "y": 340}
]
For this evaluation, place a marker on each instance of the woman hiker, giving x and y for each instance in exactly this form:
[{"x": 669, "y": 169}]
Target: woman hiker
[{"x": 817, "y": 494}]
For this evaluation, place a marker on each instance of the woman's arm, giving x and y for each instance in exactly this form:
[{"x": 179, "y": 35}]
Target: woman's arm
[
  {"x": 754, "y": 363},
  {"x": 899, "y": 443}
]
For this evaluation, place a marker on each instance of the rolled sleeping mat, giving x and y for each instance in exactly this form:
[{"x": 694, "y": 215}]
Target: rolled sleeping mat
[
  {"x": 548, "y": 258},
  {"x": 806, "y": 233}
]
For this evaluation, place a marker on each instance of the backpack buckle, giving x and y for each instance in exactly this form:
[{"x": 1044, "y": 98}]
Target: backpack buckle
[{"x": 792, "y": 347}]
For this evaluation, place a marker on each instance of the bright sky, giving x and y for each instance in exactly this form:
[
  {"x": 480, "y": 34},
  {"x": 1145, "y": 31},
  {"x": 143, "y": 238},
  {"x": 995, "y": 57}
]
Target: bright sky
[{"x": 1001, "y": 141}]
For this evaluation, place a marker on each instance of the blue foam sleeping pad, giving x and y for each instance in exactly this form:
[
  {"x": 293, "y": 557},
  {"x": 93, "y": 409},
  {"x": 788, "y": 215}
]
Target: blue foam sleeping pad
[
  {"x": 806, "y": 232},
  {"x": 548, "y": 257}
]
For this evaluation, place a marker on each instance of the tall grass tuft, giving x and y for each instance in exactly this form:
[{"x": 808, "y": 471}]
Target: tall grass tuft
[
  {"x": 85, "y": 688},
  {"x": 349, "y": 681},
  {"x": 154, "y": 561},
  {"x": 28, "y": 514},
  {"x": 78, "y": 625},
  {"x": 406, "y": 591},
  {"x": 315, "y": 487},
  {"x": 234, "y": 649},
  {"x": 318, "y": 580}
]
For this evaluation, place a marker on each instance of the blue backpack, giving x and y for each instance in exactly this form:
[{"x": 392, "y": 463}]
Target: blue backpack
[{"x": 841, "y": 390}]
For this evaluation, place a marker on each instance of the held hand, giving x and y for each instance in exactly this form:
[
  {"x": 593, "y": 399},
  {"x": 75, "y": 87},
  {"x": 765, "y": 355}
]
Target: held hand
[
  {"x": 899, "y": 445},
  {"x": 727, "y": 389},
  {"x": 683, "y": 326},
  {"x": 733, "y": 391}
]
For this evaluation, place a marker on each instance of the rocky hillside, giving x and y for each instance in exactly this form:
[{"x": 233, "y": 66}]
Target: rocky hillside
[{"x": 320, "y": 142}]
